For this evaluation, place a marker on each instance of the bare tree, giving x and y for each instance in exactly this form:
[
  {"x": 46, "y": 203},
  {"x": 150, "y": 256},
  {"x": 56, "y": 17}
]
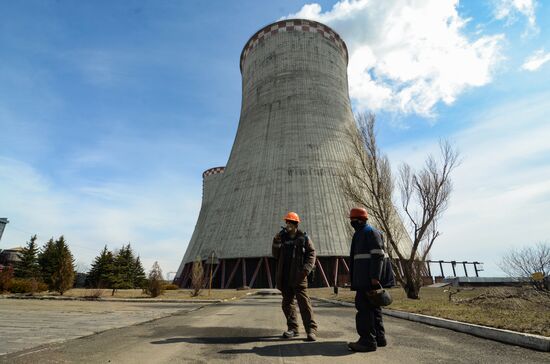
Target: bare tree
[
  {"x": 424, "y": 197},
  {"x": 197, "y": 277},
  {"x": 523, "y": 263}
]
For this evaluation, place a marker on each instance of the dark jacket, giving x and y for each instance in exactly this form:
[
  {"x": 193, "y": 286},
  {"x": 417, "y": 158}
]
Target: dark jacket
[
  {"x": 301, "y": 258},
  {"x": 366, "y": 258}
]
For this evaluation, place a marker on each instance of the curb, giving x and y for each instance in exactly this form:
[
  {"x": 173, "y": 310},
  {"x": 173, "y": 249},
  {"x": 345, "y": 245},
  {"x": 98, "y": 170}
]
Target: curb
[
  {"x": 138, "y": 300},
  {"x": 530, "y": 341}
]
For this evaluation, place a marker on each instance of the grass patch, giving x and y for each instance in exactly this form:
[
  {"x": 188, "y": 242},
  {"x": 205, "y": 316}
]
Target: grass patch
[
  {"x": 183, "y": 294},
  {"x": 513, "y": 308}
]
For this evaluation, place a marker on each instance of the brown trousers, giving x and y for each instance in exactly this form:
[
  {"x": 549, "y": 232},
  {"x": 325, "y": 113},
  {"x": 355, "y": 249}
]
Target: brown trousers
[{"x": 304, "y": 303}]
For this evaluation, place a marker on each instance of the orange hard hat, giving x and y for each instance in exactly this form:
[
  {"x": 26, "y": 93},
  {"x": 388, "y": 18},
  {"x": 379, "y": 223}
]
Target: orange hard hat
[
  {"x": 292, "y": 216},
  {"x": 358, "y": 213}
]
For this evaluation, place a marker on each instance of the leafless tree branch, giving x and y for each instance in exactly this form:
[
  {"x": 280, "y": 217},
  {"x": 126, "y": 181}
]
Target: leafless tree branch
[
  {"x": 524, "y": 262},
  {"x": 425, "y": 194}
]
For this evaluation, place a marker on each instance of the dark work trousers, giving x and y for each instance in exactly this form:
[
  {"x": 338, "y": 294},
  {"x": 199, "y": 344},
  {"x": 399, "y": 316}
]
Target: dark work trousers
[
  {"x": 368, "y": 320},
  {"x": 304, "y": 303}
]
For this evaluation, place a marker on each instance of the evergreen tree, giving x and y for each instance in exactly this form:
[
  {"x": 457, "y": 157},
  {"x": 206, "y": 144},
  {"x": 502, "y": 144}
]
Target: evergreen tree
[
  {"x": 63, "y": 275},
  {"x": 28, "y": 266},
  {"x": 140, "y": 280},
  {"x": 121, "y": 276},
  {"x": 101, "y": 270},
  {"x": 47, "y": 261}
]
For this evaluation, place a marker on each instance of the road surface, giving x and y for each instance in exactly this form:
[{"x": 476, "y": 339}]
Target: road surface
[{"x": 248, "y": 331}]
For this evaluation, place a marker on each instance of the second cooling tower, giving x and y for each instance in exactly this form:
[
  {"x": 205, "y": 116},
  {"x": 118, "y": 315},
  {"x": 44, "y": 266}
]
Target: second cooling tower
[{"x": 288, "y": 155}]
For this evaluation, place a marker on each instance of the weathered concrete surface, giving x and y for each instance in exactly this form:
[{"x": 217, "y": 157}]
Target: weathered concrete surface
[
  {"x": 289, "y": 152},
  {"x": 247, "y": 331},
  {"x": 28, "y": 323}
]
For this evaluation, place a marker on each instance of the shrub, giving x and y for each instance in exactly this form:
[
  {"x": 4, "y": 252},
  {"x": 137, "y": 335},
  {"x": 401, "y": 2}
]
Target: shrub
[
  {"x": 155, "y": 286},
  {"x": 197, "y": 277},
  {"x": 171, "y": 286},
  {"x": 94, "y": 294},
  {"x": 27, "y": 285},
  {"x": 6, "y": 277}
]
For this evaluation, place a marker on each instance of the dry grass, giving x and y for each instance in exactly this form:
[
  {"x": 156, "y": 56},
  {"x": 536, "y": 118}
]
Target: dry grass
[
  {"x": 511, "y": 308},
  {"x": 216, "y": 294}
]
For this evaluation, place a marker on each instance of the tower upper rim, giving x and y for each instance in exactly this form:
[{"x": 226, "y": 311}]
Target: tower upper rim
[
  {"x": 286, "y": 25},
  {"x": 211, "y": 171}
]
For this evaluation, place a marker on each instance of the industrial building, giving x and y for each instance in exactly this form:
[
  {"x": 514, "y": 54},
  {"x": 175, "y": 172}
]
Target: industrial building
[{"x": 288, "y": 155}]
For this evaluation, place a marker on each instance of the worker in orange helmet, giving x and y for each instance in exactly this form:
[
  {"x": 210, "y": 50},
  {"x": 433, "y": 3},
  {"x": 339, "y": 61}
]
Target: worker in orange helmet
[
  {"x": 295, "y": 256},
  {"x": 366, "y": 272}
]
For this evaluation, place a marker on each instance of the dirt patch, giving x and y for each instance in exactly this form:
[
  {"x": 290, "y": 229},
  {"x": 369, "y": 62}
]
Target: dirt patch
[{"x": 513, "y": 298}]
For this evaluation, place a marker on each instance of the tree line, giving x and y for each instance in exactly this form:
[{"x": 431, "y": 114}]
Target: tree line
[
  {"x": 52, "y": 267},
  {"x": 119, "y": 270}
]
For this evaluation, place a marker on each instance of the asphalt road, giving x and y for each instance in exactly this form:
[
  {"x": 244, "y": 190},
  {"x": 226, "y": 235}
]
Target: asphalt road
[{"x": 248, "y": 331}]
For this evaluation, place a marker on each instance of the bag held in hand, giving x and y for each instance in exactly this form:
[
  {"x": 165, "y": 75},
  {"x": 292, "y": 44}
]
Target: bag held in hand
[{"x": 379, "y": 297}]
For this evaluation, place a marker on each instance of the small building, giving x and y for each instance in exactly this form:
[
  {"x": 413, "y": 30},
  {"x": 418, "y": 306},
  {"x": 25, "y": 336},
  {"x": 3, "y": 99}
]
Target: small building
[{"x": 10, "y": 256}]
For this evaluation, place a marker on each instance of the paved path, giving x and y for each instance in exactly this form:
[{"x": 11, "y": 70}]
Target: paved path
[
  {"x": 29, "y": 323},
  {"x": 247, "y": 331}
]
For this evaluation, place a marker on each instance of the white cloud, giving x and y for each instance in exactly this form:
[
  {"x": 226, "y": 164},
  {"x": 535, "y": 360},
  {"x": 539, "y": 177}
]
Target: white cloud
[
  {"x": 510, "y": 9},
  {"x": 536, "y": 60},
  {"x": 91, "y": 215},
  {"x": 408, "y": 56},
  {"x": 502, "y": 188}
]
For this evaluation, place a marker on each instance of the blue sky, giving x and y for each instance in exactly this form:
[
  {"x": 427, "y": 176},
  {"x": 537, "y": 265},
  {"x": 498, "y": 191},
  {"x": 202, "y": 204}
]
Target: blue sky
[{"x": 110, "y": 112}]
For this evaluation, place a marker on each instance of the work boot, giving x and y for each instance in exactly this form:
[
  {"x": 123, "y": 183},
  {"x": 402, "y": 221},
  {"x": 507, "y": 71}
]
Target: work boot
[
  {"x": 381, "y": 342},
  {"x": 311, "y": 336},
  {"x": 290, "y": 334},
  {"x": 358, "y": 347}
]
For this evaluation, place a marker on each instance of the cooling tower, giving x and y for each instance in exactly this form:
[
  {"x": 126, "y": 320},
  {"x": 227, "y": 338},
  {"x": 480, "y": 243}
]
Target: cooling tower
[{"x": 288, "y": 155}]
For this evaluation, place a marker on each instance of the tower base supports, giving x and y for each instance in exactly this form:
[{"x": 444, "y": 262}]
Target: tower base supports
[{"x": 261, "y": 273}]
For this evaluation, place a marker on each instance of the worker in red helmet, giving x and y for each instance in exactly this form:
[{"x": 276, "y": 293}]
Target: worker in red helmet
[
  {"x": 366, "y": 265},
  {"x": 295, "y": 256}
]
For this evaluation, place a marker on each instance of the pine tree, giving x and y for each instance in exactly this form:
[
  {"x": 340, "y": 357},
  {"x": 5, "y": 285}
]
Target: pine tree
[
  {"x": 101, "y": 270},
  {"x": 139, "y": 277},
  {"x": 47, "y": 261},
  {"x": 63, "y": 274},
  {"x": 121, "y": 276},
  {"x": 28, "y": 266}
]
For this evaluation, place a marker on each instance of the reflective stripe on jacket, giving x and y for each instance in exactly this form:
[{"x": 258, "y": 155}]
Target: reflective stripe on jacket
[{"x": 366, "y": 257}]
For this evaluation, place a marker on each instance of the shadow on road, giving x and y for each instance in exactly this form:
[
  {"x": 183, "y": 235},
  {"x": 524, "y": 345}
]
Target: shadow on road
[
  {"x": 333, "y": 348},
  {"x": 218, "y": 340}
]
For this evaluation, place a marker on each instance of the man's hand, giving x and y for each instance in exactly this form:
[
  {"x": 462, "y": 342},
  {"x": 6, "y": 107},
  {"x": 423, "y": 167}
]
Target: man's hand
[
  {"x": 302, "y": 275},
  {"x": 277, "y": 241},
  {"x": 374, "y": 282}
]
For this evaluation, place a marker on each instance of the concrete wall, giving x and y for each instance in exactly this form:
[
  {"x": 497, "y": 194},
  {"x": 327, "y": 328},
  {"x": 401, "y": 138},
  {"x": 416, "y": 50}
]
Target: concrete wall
[{"x": 197, "y": 247}]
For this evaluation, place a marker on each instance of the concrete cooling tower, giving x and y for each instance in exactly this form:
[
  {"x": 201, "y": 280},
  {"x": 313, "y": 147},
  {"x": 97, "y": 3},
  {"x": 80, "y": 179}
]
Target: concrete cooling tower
[{"x": 288, "y": 155}]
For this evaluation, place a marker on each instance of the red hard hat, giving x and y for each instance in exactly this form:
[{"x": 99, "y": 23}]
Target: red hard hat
[
  {"x": 358, "y": 213},
  {"x": 292, "y": 216}
]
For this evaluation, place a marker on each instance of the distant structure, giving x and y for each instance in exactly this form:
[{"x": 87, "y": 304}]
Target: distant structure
[
  {"x": 288, "y": 155},
  {"x": 10, "y": 256},
  {"x": 3, "y": 223}
]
